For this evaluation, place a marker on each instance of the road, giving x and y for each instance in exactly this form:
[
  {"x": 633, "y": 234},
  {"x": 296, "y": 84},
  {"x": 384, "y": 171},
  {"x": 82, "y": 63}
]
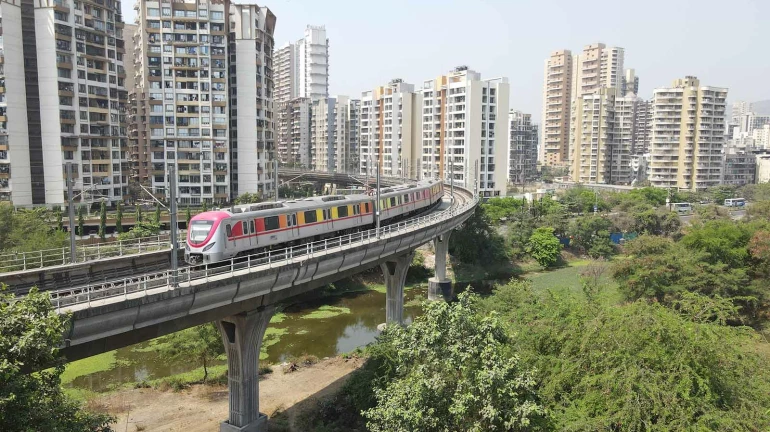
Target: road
[{"x": 735, "y": 214}]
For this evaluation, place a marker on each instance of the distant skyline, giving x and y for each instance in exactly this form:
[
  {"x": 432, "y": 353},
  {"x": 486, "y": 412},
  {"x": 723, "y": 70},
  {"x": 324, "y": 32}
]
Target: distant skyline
[{"x": 724, "y": 44}]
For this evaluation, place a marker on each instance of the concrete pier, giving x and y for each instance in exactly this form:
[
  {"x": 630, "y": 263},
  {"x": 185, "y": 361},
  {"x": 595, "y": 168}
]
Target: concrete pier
[
  {"x": 395, "y": 276},
  {"x": 439, "y": 286},
  {"x": 242, "y": 335}
]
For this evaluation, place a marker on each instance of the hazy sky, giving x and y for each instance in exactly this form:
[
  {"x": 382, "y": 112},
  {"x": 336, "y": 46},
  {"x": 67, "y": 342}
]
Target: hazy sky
[{"x": 725, "y": 43}]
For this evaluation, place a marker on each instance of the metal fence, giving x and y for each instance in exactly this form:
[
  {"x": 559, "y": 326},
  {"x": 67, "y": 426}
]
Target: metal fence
[
  {"x": 188, "y": 276},
  {"x": 21, "y": 261}
]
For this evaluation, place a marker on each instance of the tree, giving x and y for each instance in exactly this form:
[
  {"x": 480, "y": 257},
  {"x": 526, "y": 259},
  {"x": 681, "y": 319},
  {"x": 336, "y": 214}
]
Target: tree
[
  {"x": 28, "y": 230},
  {"x": 724, "y": 240},
  {"x": 141, "y": 230},
  {"x": 59, "y": 220},
  {"x": 119, "y": 218},
  {"x": 205, "y": 206},
  {"x": 584, "y": 230},
  {"x": 504, "y": 208},
  {"x": 103, "y": 221},
  {"x": 582, "y": 200},
  {"x": 30, "y": 332},
  {"x": 138, "y": 215},
  {"x": 248, "y": 198},
  {"x": 477, "y": 242},
  {"x": 81, "y": 222},
  {"x": 636, "y": 366},
  {"x": 202, "y": 343},
  {"x": 157, "y": 213},
  {"x": 544, "y": 247},
  {"x": 453, "y": 373},
  {"x": 188, "y": 215},
  {"x": 720, "y": 193}
]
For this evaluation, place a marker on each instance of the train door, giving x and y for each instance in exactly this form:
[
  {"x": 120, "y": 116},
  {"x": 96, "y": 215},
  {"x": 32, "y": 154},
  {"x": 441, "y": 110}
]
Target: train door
[{"x": 292, "y": 228}]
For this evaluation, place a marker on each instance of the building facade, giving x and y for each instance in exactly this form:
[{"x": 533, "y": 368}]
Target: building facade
[
  {"x": 557, "y": 93},
  {"x": 391, "y": 131},
  {"x": 62, "y": 100},
  {"x": 688, "y": 135},
  {"x": 204, "y": 99},
  {"x": 334, "y": 134},
  {"x": 303, "y": 67},
  {"x": 630, "y": 83},
  {"x": 597, "y": 66},
  {"x": 601, "y": 137},
  {"x": 294, "y": 134},
  {"x": 522, "y": 147},
  {"x": 465, "y": 126},
  {"x": 643, "y": 127},
  {"x": 738, "y": 167}
]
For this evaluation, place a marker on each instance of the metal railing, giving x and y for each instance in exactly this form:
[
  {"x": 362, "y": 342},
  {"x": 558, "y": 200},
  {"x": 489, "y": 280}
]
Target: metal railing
[
  {"x": 22, "y": 261},
  {"x": 193, "y": 275}
]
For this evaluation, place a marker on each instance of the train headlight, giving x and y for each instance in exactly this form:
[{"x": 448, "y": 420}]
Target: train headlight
[{"x": 209, "y": 246}]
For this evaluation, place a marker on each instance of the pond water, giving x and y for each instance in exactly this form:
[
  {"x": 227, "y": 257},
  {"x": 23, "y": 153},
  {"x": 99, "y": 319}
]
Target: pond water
[{"x": 323, "y": 328}]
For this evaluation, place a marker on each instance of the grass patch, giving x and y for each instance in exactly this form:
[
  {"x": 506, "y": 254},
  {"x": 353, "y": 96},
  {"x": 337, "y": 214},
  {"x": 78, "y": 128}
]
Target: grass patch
[
  {"x": 87, "y": 366},
  {"x": 79, "y": 394},
  {"x": 568, "y": 279},
  {"x": 277, "y": 318},
  {"x": 195, "y": 376},
  {"x": 301, "y": 332},
  {"x": 272, "y": 337},
  {"x": 327, "y": 312}
]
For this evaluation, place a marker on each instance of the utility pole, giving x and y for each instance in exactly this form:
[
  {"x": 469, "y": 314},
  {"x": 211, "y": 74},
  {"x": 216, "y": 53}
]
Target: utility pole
[
  {"x": 377, "y": 202},
  {"x": 174, "y": 223},
  {"x": 275, "y": 173},
  {"x": 71, "y": 214}
]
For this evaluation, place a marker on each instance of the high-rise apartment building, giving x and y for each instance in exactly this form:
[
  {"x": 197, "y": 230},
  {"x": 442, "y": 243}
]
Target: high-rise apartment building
[
  {"x": 630, "y": 83},
  {"x": 601, "y": 137},
  {"x": 62, "y": 99},
  {"x": 738, "y": 167},
  {"x": 294, "y": 134},
  {"x": 597, "y": 66},
  {"x": 286, "y": 73},
  {"x": 522, "y": 147},
  {"x": 739, "y": 109},
  {"x": 391, "y": 129},
  {"x": 465, "y": 127},
  {"x": 303, "y": 67},
  {"x": 643, "y": 127},
  {"x": 761, "y": 137},
  {"x": 334, "y": 134},
  {"x": 204, "y": 97},
  {"x": 557, "y": 93},
  {"x": 687, "y": 135}
]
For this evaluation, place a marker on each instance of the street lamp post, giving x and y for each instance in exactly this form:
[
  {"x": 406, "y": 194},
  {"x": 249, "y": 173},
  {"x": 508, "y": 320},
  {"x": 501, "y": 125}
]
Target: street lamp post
[
  {"x": 174, "y": 223},
  {"x": 71, "y": 213}
]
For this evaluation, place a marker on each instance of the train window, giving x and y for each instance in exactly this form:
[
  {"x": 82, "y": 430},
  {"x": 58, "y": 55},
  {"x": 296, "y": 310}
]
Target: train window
[
  {"x": 393, "y": 202},
  {"x": 327, "y": 214},
  {"x": 271, "y": 223},
  {"x": 406, "y": 198},
  {"x": 229, "y": 230},
  {"x": 293, "y": 219},
  {"x": 342, "y": 211},
  {"x": 355, "y": 209},
  {"x": 252, "y": 227},
  {"x": 366, "y": 207},
  {"x": 310, "y": 216}
]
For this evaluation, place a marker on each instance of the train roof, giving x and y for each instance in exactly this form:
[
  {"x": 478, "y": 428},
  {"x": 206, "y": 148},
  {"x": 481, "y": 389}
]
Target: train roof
[{"x": 320, "y": 201}]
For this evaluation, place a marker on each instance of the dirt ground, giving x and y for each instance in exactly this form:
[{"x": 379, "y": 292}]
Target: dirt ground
[{"x": 202, "y": 408}]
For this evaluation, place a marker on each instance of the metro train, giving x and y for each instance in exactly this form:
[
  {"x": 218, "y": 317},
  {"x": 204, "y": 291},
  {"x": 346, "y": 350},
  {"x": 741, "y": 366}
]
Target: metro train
[{"x": 245, "y": 229}]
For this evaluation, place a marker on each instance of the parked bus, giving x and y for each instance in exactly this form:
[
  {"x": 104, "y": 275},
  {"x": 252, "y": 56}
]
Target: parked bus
[
  {"x": 735, "y": 202},
  {"x": 682, "y": 208}
]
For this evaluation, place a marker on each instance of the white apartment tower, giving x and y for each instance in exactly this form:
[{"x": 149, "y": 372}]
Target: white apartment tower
[
  {"x": 465, "y": 127},
  {"x": 334, "y": 134},
  {"x": 630, "y": 83},
  {"x": 204, "y": 99},
  {"x": 391, "y": 132},
  {"x": 597, "y": 66},
  {"x": 687, "y": 135},
  {"x": 601, "y": 137},
  {"x": 62, "y": 99},
  {"x": 522, "y": 147},
  {"x": 557, "y": 93},
  {"x": 294, "y": 134},
  {"x": 252, "y": 119},
  {"x": 303, "y": 67}
]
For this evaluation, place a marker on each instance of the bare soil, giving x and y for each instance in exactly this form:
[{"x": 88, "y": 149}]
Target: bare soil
[{"x": 201, "y": 408}]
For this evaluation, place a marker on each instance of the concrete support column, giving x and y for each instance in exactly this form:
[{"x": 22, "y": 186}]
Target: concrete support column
[
  {"x": 440, "y": 286},
  {"x": 395, "y": 276},
  {"x": 242, "y": 335}
]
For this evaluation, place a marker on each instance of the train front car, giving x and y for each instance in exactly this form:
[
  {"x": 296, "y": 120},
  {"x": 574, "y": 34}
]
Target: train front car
[{"x": 205, "y": 241}]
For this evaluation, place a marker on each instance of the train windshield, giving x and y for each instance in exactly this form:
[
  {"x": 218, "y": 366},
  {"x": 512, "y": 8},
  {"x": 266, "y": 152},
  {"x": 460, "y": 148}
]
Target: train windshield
[{"x": 199, "y": 230}]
